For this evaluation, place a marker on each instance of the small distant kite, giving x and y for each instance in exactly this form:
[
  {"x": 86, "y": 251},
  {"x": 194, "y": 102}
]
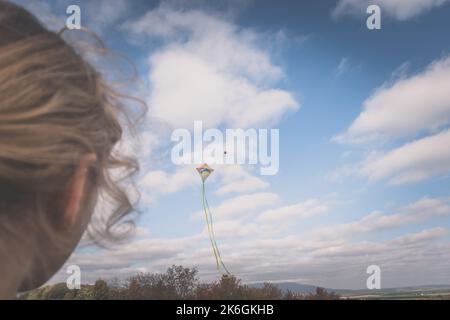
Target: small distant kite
[{"x": 205, "y": 171}]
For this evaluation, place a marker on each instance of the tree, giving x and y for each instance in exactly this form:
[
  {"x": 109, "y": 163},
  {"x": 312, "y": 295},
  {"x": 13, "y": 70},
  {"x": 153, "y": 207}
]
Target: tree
[
  {"x": 55, "y": 292},
  {"x": 71, "y": 295},
  {"x": 229, "y": 288},
  {"x": 134, "y": 289},
  {"x": 269, "y": 291},
  {"x": 204, "y": 291},
  {"x": 182, "y": 280},
  {"x": 322, "y": 294},
  {"x": 85, "y": 292},
  {"x": 101, "y": 290}
]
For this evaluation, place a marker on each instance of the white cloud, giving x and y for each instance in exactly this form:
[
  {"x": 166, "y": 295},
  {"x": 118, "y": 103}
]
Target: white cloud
[
  {"x": 243, "y": 205},
  {"x": 412, "y": 162},
  {"x": 428, "y": 207},
  {"x": 125, "y": 260},
  {"x": 399, "y": 9},
  {"x": 160, "y": 182},
  {"x": 327, "y": 263},
  {"x": 419, "y": 211},
  {"x": 423, "y": 236},
  {"x": 411, "y": 106},
  {"x": 104, "y": 15},
  {"x": 228, "y": 178},
  {"x": 257, "y": 215},
  {"x": 210, "y": 70},
  {"x": 289, "y": 213},
  {"x": 232, "y": 229},
  {"x": 418, "y": 103},
  {"x": 236, "y": 179}
]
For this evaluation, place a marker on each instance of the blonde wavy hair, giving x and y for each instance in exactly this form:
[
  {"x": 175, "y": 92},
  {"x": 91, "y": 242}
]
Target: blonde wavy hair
[{"x": 54, "y": 108}]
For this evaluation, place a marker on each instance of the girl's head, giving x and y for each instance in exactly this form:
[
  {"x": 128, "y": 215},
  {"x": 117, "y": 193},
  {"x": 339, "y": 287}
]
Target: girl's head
[{"x": 59, "y": 124}]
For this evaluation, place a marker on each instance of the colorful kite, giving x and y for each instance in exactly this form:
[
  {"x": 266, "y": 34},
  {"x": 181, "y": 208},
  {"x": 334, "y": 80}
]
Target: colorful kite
[{"x": 205, "y": 171}]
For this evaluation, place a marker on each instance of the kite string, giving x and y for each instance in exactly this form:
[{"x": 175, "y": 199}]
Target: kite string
[
  {"x": 209, "y": 226},
  {"x": 214, "y": 236}
]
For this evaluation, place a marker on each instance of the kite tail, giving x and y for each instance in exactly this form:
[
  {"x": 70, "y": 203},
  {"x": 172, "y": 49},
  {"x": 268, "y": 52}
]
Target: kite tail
[{"x": 212, "y": 237}]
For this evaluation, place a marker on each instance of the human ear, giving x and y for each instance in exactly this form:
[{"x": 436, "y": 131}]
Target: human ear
[{"x": 75, "y": 191}]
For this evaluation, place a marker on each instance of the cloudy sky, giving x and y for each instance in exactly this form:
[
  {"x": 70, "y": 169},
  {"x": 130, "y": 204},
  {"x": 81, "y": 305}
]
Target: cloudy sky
[{"x": 364, "y": 137}]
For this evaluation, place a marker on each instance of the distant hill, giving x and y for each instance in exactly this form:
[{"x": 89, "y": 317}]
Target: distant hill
[{"x": 291, "y": 286}]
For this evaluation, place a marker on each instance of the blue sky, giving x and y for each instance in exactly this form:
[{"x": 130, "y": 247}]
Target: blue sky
[{"x": 363, "y": 118}]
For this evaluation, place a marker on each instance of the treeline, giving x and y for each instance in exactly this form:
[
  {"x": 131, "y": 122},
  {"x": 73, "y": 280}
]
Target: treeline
[{"x": 177, "y": 283}]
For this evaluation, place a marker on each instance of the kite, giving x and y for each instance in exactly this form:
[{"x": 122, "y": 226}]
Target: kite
[{"x": 205, "y": 171}]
